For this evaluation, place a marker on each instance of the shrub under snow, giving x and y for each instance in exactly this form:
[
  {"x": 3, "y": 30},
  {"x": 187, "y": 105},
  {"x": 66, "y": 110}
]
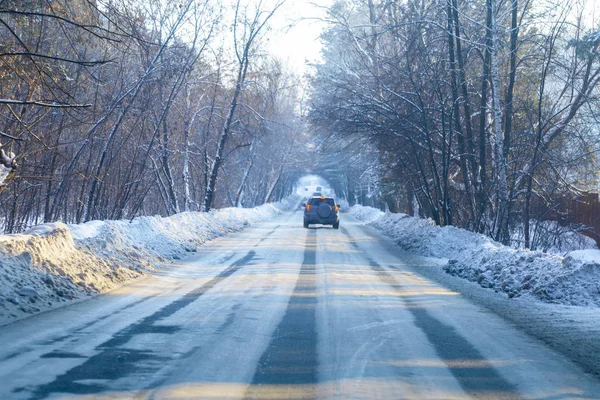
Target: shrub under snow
[{"x": 571, "y": 280}]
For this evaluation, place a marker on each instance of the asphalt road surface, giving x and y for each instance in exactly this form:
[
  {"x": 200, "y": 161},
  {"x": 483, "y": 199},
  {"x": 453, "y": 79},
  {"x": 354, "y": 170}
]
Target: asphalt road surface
[{"x": 282, "y": 312}]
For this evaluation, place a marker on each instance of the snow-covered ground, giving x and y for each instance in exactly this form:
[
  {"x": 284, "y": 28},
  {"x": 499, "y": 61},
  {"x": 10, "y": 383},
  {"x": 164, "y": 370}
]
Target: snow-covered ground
[
  {"x": 54, "y": 264},
  {"x": 570, "y": 280}
]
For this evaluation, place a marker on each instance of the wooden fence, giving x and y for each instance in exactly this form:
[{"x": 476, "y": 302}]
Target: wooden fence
[{"x": 582, "y": 210}]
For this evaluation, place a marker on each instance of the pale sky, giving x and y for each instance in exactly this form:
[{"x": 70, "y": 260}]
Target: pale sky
[
  {"x": 592, "y": 10},
  {"x": 296, "y": 30}
]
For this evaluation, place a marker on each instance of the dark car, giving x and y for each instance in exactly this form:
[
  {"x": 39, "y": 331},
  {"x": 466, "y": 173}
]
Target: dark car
[{"x": 322, "y": 210}]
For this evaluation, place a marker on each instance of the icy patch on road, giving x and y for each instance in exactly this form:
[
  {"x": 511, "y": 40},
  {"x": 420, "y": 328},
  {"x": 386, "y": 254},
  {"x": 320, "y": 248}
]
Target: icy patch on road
[
  {"x": 570, "y": 280},
  {"x": 54, "y": 264}
]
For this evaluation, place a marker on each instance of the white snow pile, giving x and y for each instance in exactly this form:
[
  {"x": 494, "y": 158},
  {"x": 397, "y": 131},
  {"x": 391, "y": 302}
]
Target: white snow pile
[
  {"x": 4, "y": 171},
  {"x": 7, "y": 164},
  {"x": 53, "y": 264},
  {"x": 366, "y": 214},
  {"x": 552, "y": 278}
]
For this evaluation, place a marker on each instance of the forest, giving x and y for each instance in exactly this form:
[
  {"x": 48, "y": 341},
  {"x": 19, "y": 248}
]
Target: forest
[
  {"x": 481, "y": 114},
  {"x": 116, "y": 109}
]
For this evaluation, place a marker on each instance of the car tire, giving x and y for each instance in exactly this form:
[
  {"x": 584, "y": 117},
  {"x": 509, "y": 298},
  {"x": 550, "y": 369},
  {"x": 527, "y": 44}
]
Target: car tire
[
  {"x": 336, "y": 225},
  {"x": 306, "y": 224}
]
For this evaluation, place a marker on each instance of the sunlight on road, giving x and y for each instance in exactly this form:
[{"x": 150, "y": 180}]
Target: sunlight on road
[
  {"x": 359, "y": 388},
  {"x": 464, "y": 363},
  {"x": 391, "y": 293}
]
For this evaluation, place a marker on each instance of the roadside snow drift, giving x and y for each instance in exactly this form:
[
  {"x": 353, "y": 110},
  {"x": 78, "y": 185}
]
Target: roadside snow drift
[
  {"x": 53, "y": 264},
  {"x": 570, "y": 280}
]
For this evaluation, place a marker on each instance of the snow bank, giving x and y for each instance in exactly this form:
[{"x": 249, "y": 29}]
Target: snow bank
[
  {"x": 366, "y": 214},
  {"x": 570, "y": 280},
  {"x": 588, "y": 255},
  {"x": 53, "y": 264}
]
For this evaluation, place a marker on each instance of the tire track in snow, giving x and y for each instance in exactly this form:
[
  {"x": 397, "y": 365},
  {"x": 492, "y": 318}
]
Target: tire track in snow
[
  {"x": 291, "y": 357},
  {"x": 115, "y": 362},
  {"x": 474, "y": 373}
]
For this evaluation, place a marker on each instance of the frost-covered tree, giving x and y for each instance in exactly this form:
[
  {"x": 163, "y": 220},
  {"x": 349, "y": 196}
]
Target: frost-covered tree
[{"x": 473, "y": 107}]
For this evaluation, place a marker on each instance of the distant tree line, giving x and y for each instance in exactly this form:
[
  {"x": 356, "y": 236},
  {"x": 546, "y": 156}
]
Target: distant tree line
[
  {"x": 113, "y": 109},
  {"x": 475, "y": 108}
]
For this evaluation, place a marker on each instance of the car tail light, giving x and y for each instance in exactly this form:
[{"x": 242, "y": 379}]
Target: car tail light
[
  {"x": 336, "y": 208},
  {"x": 308, "y": 206}
]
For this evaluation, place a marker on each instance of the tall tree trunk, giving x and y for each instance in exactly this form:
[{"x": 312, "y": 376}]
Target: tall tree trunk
[
  {"x": 483, "y": 112},
  {"x": 216, "y": 164},
  {"x": 503, "y": 223},
  {"x": 465, "y": 99},
  {"x": 277, "y": 177},
  {"x": 456, "y": 107},
  {"x": 446, "y": 160},
  {"x": 501, "y": 186},
  {"x": 185, "y": 174},
  {"x": 166, "y": 167},
  {"x": 249, "y": 163}
]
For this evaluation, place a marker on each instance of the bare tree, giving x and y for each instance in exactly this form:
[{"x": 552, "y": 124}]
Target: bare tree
[
  {"x": 247, "y": 27},
  {"x": 443, "y": 90}
]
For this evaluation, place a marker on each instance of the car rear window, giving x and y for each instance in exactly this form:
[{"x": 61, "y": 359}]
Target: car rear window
[{"x": 315, "y": 202}]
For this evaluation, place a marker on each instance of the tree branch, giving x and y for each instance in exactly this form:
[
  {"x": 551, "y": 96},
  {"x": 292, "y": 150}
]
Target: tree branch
[
  {"x": 84, "y": 63},
  {"x": 87, "y": 28},
  {"x": 42, "y": 104},
  {"x": 9, "y": 136}
]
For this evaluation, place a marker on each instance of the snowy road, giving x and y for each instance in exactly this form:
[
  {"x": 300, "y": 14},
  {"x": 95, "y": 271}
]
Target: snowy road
[{"x": 281, "y": 312}]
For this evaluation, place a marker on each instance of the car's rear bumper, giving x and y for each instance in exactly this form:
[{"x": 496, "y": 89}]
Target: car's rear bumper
[{"x": 323, "y": 221}]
